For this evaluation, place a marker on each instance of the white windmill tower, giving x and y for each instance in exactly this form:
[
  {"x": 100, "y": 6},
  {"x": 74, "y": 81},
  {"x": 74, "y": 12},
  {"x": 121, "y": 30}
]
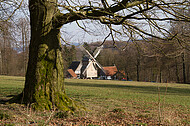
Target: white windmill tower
[{"x": 90, "y": 66}]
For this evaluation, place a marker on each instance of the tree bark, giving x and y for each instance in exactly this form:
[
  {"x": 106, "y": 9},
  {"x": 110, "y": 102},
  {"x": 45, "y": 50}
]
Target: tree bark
[
  {"x": 44, "y": 84},
  {"x": 138, "y": 65},
  {"x": 176, "y": 70}
]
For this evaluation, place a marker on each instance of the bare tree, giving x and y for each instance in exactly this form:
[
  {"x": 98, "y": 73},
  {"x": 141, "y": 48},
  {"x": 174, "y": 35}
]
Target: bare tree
[
  {"x": 25, "y": 32},
  {"x": 5, "y": 47},
  {"x": 8, "y": 9}
]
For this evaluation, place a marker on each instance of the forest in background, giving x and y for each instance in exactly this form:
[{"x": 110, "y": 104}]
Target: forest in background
[{"x": 152, "y": 60}]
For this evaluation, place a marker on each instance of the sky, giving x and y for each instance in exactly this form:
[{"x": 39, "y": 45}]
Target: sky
[{"x": 73, "y": 33}]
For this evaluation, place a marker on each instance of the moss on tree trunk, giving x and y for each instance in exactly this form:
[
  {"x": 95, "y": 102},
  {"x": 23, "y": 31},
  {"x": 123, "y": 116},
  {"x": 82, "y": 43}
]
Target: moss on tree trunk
[{"x": 44, "y": 85}]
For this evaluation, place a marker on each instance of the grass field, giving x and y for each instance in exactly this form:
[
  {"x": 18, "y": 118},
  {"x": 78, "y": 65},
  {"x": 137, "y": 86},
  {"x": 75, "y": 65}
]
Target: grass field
[{"x": 106, "y": 103}]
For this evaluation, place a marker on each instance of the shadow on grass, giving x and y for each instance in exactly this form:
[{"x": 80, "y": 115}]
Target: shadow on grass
[
  {"x": 143, "y": 89},
  {"x": 7, "y": 99},
  {"x": 11, "y": 99},
  {"x": 20, "y": 80},
  {"x": 3, "y": 101}
]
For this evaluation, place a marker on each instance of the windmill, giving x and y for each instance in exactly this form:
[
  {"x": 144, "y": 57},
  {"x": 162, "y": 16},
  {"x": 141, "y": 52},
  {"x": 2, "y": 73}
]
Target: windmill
[{"x": 90, "y": 70}]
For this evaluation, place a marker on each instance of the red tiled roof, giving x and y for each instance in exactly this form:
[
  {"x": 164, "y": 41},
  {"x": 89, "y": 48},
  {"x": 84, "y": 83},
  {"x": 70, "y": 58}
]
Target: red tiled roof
[
  {"x": 110, "y": 70},
  {"x": 72, "y": 73}
]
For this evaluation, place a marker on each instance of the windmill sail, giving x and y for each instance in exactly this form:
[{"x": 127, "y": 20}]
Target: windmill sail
[
  {"x": 92, "y": 58},
  {"x": 97, "y": 51}
]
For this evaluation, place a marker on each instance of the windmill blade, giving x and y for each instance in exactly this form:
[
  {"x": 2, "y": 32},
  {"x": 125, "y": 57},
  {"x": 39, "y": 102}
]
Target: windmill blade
[
  {"x": 100, "y": 66},
  {"x": 97, "y": 51}
]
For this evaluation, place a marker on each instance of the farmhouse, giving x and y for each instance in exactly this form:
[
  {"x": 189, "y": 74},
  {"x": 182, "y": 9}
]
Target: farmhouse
[{"x": 110, "y": 72}]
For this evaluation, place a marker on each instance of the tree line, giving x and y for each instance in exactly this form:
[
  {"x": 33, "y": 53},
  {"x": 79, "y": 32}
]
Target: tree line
[
  {"x": 141, "y": 60},
  {"x": 144, "y": 62}
]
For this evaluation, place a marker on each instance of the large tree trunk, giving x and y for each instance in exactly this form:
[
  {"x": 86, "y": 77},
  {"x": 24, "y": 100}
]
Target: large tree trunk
[{"x": 44, "y": 85}]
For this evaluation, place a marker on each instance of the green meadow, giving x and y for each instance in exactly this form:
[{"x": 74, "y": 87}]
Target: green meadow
[{"x": 105, "y": 102}]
